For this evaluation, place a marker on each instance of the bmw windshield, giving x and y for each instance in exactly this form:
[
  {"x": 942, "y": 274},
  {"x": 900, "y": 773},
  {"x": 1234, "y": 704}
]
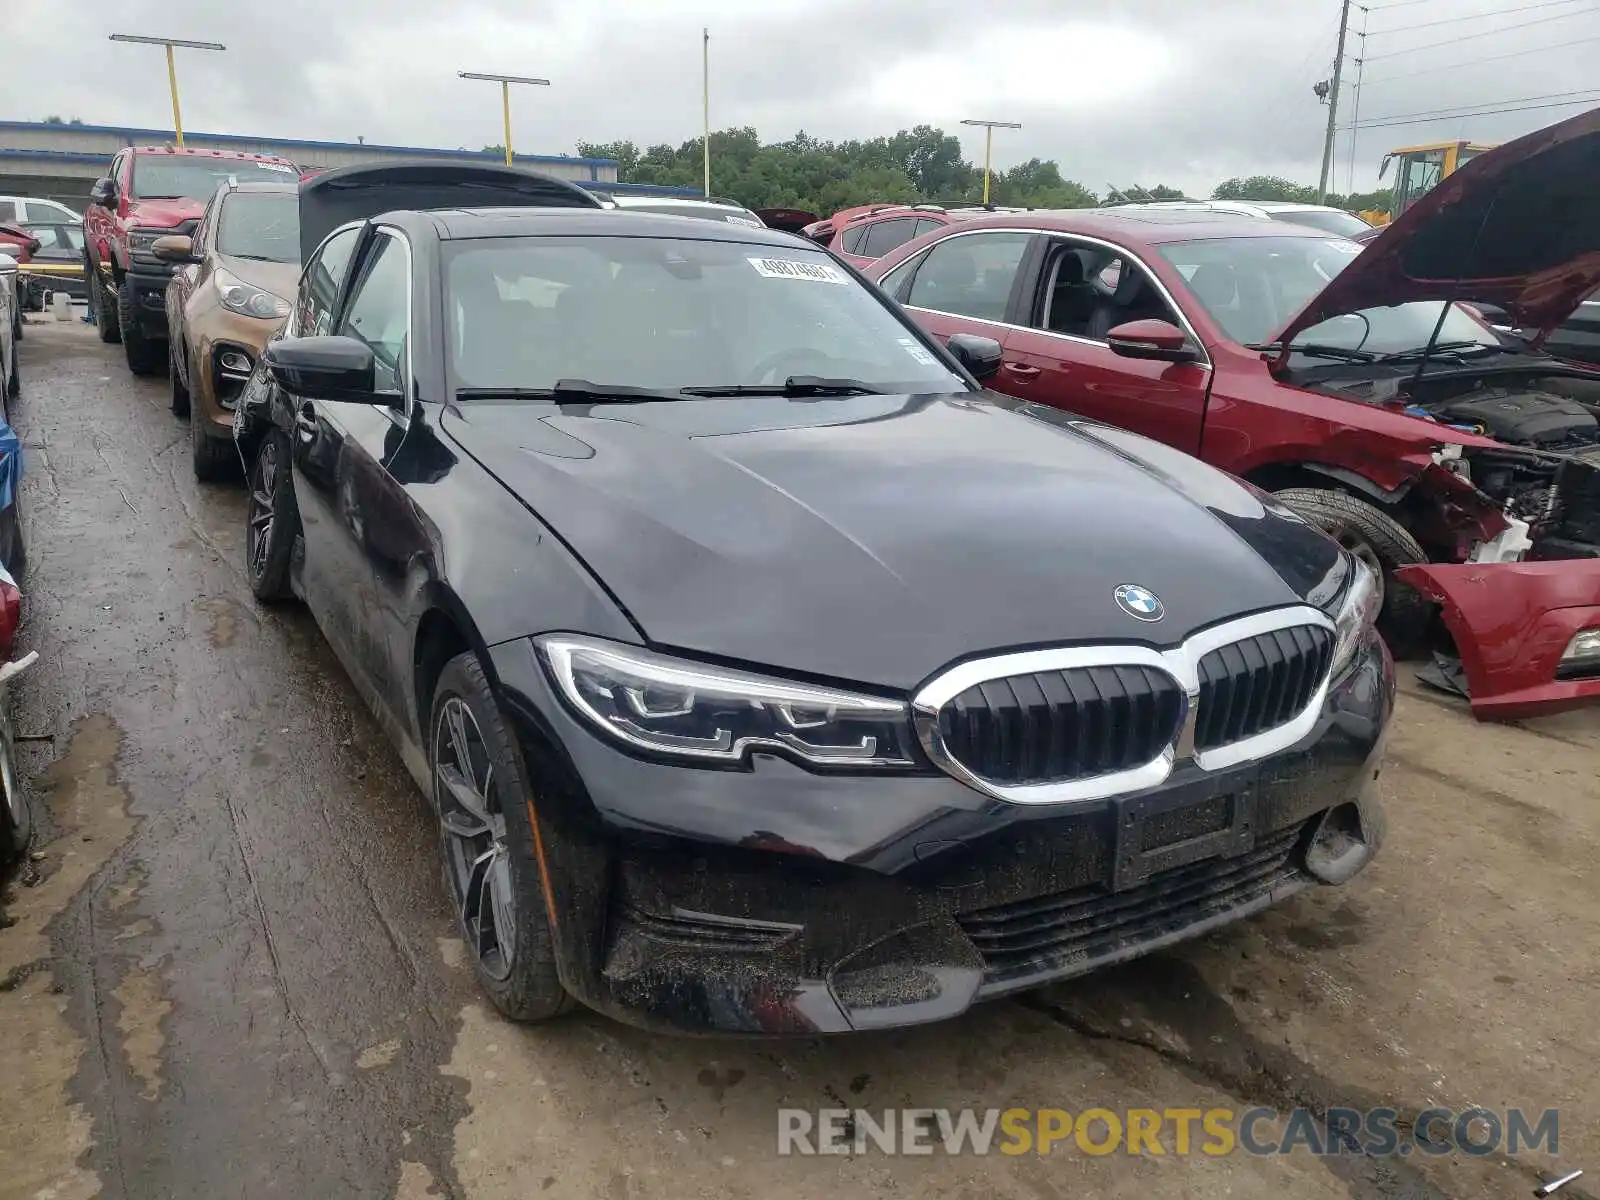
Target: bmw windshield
[
  {"x": 1251, "y": 287},
  {"x": 671, "y": 313}
]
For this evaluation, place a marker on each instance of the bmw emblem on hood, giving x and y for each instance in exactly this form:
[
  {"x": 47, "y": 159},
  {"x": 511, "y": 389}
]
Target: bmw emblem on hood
[{"x": 1139, "y": 603}]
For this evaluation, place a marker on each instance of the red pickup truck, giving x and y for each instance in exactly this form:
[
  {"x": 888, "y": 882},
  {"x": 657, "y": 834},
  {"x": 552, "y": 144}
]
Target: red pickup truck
[
  {"x": 148, "y": 192},
  {"x": 1461, "y": 463}
]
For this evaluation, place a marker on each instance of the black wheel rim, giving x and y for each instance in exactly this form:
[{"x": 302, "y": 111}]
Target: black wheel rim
[
  {"x": 258, "y": 535},
  {"x": 472, "y": 829}
]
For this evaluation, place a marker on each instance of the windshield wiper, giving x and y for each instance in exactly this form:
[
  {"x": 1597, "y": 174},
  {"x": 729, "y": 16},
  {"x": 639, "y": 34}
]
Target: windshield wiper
[
  {"x": 795, "y": 385},
  {"x": 569, "y": 389},
  {"x": 1451, "y": 348},
  {"x": 1316, "y": 350}
]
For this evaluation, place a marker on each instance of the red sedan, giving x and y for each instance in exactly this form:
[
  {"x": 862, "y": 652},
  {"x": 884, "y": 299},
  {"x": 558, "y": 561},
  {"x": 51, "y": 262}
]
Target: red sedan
[{"x": 1344, "y": 380}]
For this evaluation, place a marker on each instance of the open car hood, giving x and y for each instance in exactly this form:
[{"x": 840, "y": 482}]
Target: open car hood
[
  {"x": 1517, "y": 227},
  {"x": 333, "y": 198}
]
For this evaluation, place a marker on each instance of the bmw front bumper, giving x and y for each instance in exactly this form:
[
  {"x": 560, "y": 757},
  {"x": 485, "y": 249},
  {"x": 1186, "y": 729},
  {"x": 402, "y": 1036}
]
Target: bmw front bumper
[{"x": 776, "y": 900}]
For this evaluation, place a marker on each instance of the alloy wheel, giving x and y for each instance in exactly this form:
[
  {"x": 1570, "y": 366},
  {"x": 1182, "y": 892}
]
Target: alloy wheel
[
  {"x": 262, "y": 507},
  {"x": 473, "y": 830}
]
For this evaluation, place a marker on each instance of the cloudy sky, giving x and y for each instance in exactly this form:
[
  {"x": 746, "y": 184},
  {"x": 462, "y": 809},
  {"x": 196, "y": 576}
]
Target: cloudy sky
[{"x": 1150, "y": 91}]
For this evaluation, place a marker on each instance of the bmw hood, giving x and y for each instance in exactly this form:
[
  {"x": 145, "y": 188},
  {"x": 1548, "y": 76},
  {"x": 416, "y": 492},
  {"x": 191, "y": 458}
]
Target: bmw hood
[
  {"x": 1517, "y": 227},
  {"x": 879, "y": 538}
]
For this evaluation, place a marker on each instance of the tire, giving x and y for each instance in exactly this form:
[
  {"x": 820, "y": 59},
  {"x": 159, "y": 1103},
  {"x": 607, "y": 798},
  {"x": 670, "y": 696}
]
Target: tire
[
  {"x": 269, "y": 543},
  {"x": 465, "y": 721},
  {"x": 214, "y": 458},
  {"x": 13, "y": 387},
  {"x": 1382, "y": 543},
  {"x": 105, "y": 306},
  {"x": 144, "y": 354},
  {"x": 180, "y": 394}
]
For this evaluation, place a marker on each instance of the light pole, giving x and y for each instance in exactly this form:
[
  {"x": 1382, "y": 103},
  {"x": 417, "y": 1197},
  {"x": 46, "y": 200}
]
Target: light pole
[
  {"x": 505, "y": 82},
  {"x": 705, "y": 109},
  {"x": 988, "y": 146},
  {"x": 172, "y": 68}
]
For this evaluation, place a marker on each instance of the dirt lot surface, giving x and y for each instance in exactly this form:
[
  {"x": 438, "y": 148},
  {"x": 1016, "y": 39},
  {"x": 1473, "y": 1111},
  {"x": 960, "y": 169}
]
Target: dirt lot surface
[{"x": 231, "y": 972}]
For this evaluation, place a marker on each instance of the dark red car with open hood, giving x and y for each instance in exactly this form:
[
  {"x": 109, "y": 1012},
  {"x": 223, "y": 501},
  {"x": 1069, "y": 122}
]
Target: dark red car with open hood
[{"x": 1463, "y": 462}]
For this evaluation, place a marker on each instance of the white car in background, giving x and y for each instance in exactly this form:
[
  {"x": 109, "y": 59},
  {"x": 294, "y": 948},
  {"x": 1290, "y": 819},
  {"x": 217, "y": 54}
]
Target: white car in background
[
  {"x": 18, "y": 210},
  {"x": 1315, "y": 216}
]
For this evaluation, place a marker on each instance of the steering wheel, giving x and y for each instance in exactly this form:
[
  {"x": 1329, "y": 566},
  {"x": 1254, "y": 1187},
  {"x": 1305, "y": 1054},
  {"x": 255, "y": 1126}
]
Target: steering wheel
[{"x": 769, "y": 365}]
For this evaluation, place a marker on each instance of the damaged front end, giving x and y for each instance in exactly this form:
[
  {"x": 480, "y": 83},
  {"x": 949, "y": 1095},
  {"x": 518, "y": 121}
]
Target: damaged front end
[{"x": 1516, "y": 528}]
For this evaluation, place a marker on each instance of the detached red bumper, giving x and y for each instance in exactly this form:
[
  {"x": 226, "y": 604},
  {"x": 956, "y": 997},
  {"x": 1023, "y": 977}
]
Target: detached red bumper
[{"x": 1512, "y": 622}]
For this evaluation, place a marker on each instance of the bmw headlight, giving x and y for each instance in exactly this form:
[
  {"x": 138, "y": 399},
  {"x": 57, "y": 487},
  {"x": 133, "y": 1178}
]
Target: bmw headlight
[
  {"x": 1356, "y": 614},
  {"x": 248, "y": 300},
  {"x": 682, "y": 709}
]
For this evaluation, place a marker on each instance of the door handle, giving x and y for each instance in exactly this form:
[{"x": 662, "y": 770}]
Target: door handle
[
  {"x": 1022, "y": 370},
  {"x": 305, "y": 421}
]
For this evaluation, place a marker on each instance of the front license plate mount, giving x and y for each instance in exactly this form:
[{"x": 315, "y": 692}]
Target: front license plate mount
[{"x": 1208, "y": 819}]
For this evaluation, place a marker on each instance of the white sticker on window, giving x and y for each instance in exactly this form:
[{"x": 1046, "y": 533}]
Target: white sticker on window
[
  {"x": 1344, "y": 246},
  {"x": 919, "y": 353},
  {"x": 281, "y": 168},
  {"x": 745, "y": 221},
  {"x": 788, "y": 268}
]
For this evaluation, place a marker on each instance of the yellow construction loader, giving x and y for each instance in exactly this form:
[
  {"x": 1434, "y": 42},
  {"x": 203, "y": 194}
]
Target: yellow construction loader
[{"x": 1420, "y": 168}]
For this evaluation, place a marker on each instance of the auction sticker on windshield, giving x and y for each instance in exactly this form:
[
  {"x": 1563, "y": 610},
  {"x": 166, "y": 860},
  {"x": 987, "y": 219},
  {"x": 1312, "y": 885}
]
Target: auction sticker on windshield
[
  {"x": 788, "y": 268},
  {"x": 281, "y": 168}
]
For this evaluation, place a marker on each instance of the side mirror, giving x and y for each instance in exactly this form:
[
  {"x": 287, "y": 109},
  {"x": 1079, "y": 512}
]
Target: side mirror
[
  {"x": 1160, "y": 340},
  {"x": 328, "y": 368},
  {"x": 104, "y": 192},
  {"x": 174, "y": 248},
  {"x": 979, "y": 355}
]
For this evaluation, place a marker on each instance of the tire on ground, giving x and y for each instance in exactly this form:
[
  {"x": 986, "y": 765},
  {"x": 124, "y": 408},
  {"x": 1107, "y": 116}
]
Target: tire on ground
[
  {"x": 214, "y": 458},
  {"x": 105, "y": 306},
  {"x": 1406, "y": 615},
  {"x": 145, "y": 355},
  {"x": 532, "y": 991},
  {"x": 269, "y": 581}
]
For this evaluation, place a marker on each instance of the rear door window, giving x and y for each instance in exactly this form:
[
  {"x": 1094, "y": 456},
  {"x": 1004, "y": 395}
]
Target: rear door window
[
  {"x": 884, "y": 236},
  {"x": 970, "y": 275}
]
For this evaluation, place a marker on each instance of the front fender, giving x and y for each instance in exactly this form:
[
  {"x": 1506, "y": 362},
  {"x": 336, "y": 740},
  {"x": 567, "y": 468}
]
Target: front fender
[{"x": 1511, "y": 623}]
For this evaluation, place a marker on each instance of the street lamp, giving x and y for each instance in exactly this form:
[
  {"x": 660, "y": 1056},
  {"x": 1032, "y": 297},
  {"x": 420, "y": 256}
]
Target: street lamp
[
  {"x": 172, "y": 70},
  {"x": 505, "y": 82},
  {"x": 988, "y": 146}
]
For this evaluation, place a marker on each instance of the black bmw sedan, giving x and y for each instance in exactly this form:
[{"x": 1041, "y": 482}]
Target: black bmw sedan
[{"x": 764, "y": 672}]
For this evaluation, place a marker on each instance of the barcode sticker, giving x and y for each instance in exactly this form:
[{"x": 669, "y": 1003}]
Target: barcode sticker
[
  {"x": 281, "y": 168},
  {"x": 917, "y": 352},
  {"x": 788, "y": 268}
]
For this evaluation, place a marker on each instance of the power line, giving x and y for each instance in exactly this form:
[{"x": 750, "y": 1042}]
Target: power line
[
  {"x": 1490, "y": 112},
  {"x": 1467, "y": 37},
  {"x": 1451, "y": 109},
  {"x": 1473, "y": 17},
  {"x": 1472, "y": 62},
  {"x": 1396, "y": 4}
]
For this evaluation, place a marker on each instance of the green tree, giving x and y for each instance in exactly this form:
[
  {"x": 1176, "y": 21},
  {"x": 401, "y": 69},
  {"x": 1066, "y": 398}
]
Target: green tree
[
  {"x": 1264, "y": 187},
  {"x": 920, "y": 165}
]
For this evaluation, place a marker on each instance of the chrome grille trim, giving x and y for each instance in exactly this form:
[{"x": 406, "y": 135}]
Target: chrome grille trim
[{"x": 1182, "y": 662}]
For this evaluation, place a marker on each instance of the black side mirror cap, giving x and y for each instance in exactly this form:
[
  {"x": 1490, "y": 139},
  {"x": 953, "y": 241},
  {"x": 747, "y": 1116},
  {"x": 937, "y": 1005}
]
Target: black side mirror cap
[
  {"x": 979, "y": 355},
  {"x": 103, "y": 193},
  {"x": 325, "y": 368}
]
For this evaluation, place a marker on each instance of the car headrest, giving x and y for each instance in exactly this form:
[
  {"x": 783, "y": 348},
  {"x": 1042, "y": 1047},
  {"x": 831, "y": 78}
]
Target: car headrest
[
  {"x": 1069, "y": 271},
  {"x": 1130, "y": 286},
  {"x": 954, "y": 268},
  {"x": 1215, "y": 284}
]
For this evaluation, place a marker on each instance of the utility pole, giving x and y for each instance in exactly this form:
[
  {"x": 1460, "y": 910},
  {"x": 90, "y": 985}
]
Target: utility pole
[
  {"x": 988, "y": 147},
  {"x": 172, "y": 68},
  {"x": 1333, "y": 104},
  {"x": 705, "y": 108},
  {"x": 505, "y": 82}
]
